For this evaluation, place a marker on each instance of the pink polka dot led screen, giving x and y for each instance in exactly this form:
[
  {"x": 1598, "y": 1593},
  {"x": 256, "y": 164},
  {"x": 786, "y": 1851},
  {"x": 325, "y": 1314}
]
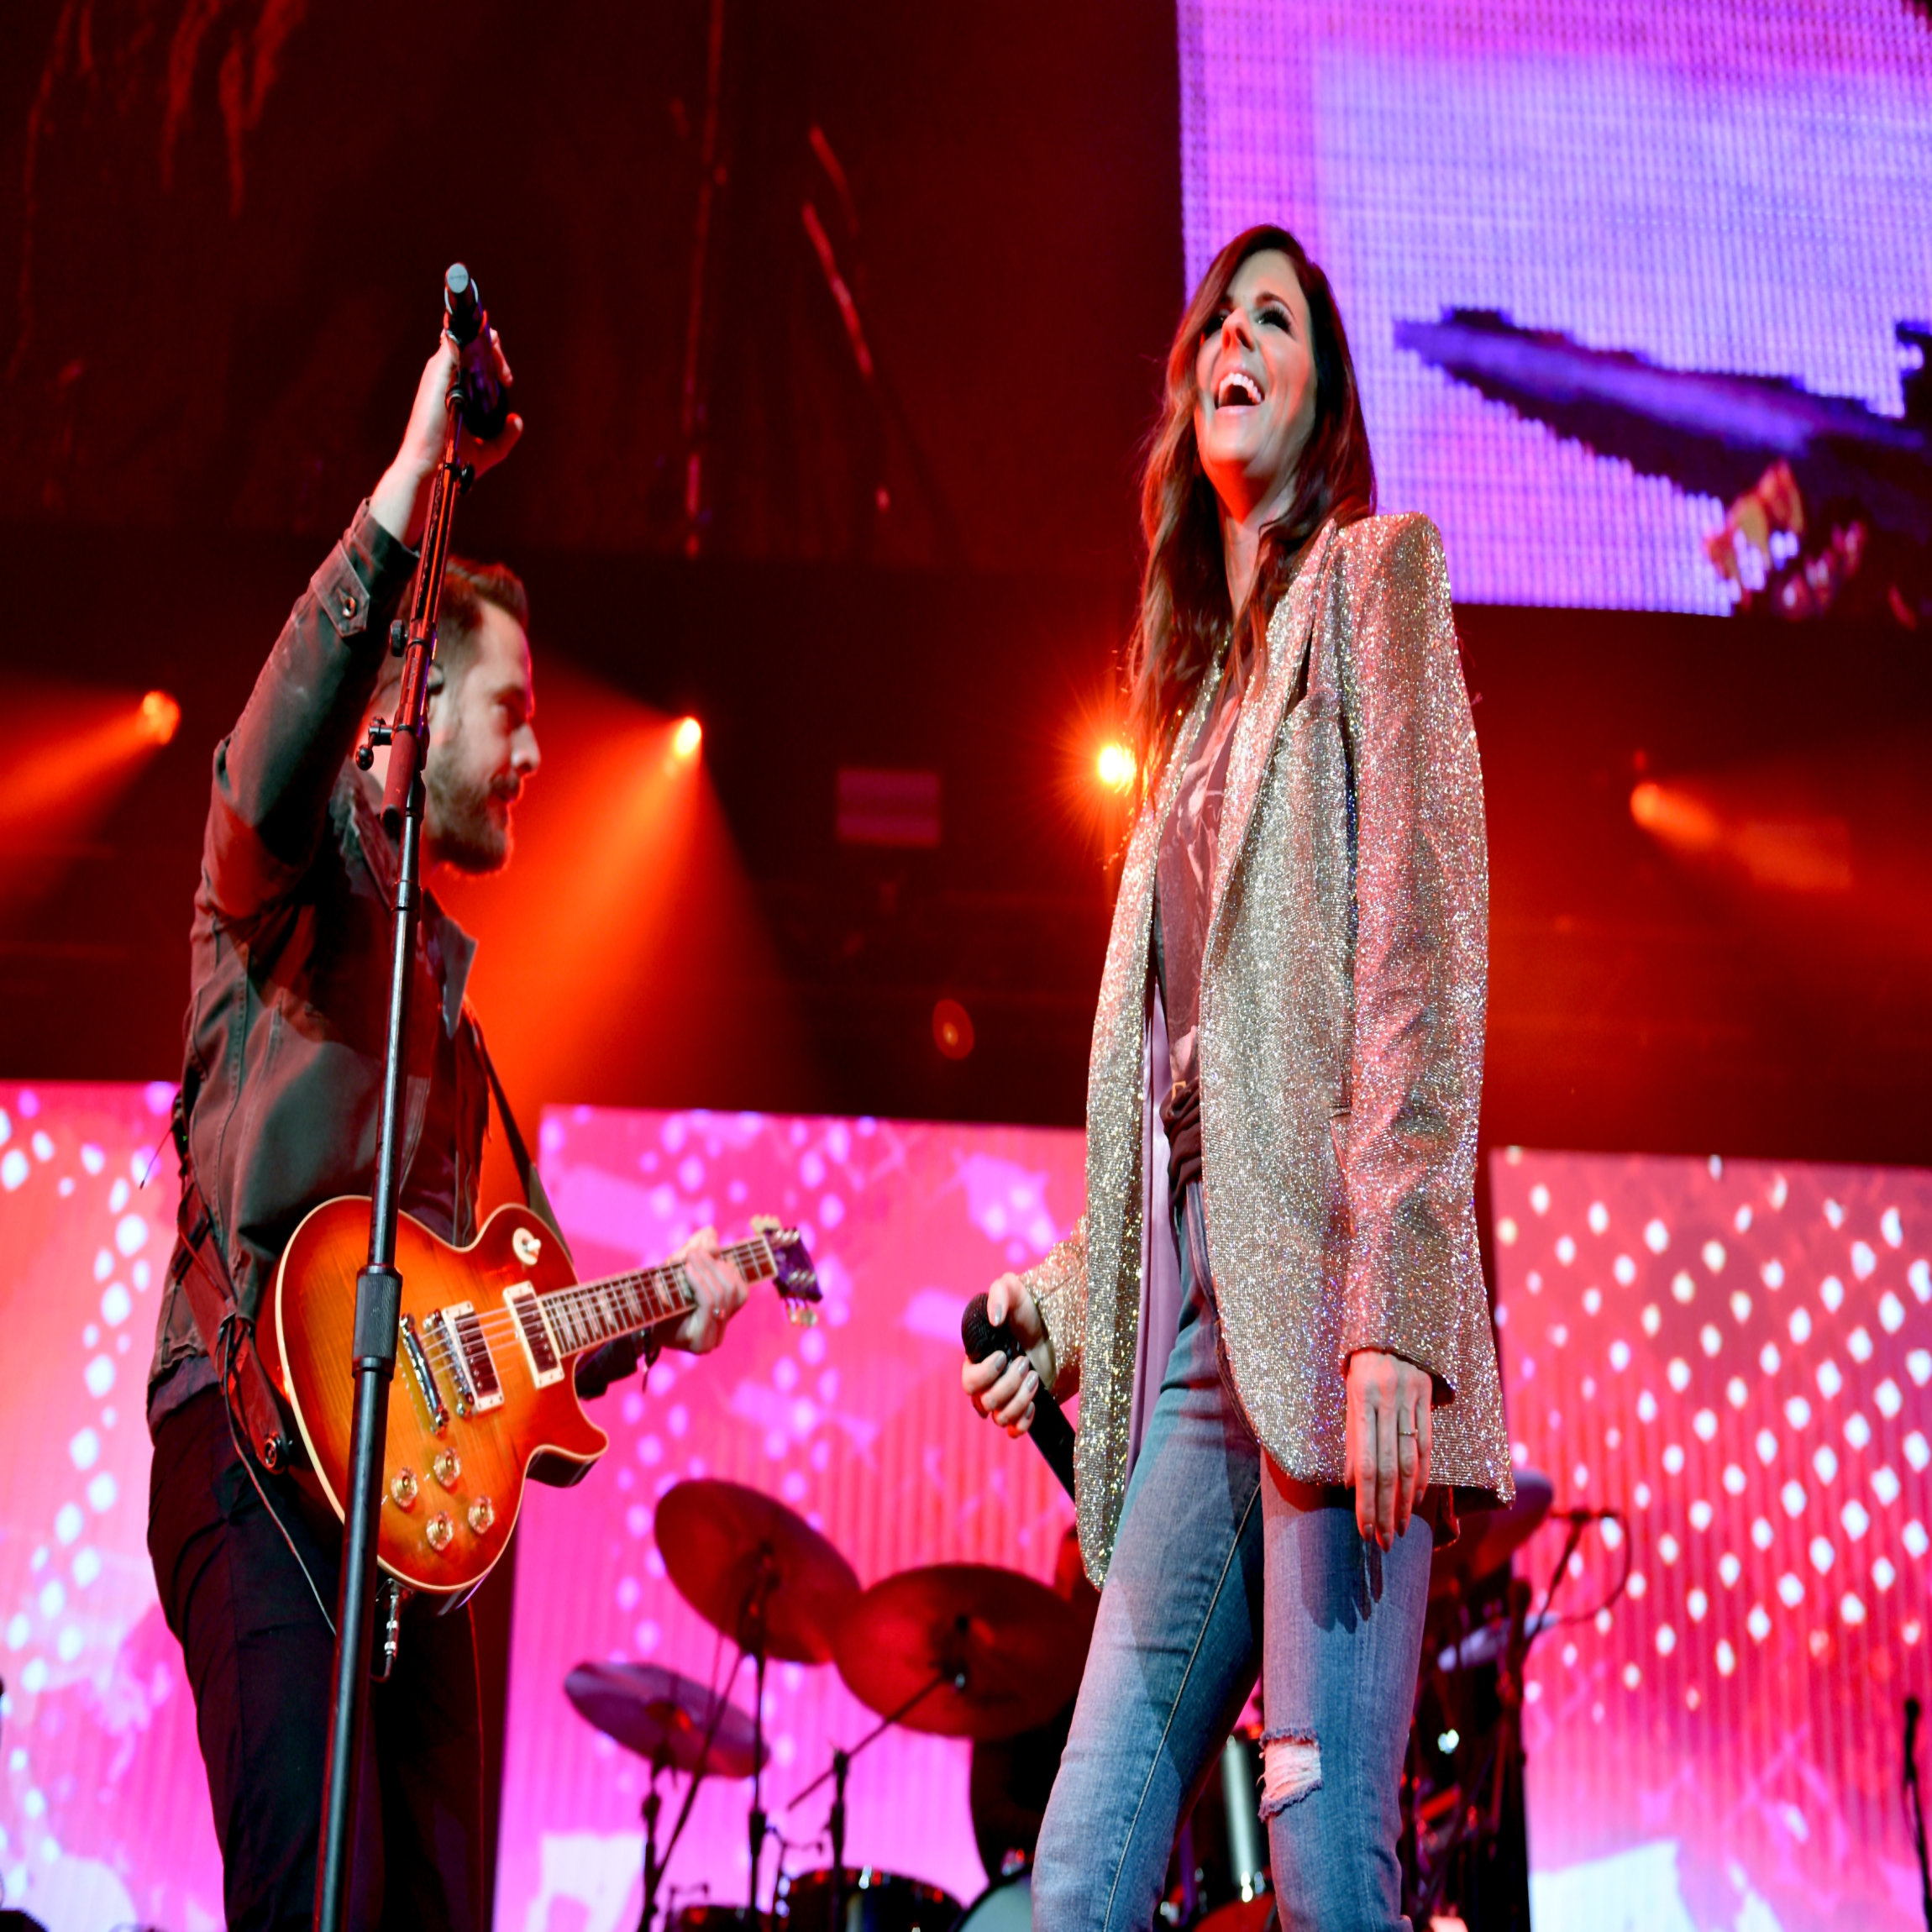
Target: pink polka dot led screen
[
  {"x": 1736, "y": 1356},
  {"x": 859, "y": 1423},
  {"x": 104, "y": 1814},
  {"x": 1718, "y": 186}
]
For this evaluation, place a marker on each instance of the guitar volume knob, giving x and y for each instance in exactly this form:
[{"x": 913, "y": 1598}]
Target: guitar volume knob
[
  {"x": 482, "y": 1515},
  {"x": 438, "y": 1529},
  {"x": 402, "y": 1487},
  {"x": 447, "y": 1467}
]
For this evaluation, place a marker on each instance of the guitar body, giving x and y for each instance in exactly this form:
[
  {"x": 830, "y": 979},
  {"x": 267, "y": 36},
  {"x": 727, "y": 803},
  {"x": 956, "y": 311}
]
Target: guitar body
[{"x": 459, "y": 1451}]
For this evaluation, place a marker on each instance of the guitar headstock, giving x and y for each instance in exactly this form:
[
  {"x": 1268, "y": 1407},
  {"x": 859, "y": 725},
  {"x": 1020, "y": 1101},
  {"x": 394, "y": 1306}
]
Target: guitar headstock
[{"x": 791, "y": 1270}]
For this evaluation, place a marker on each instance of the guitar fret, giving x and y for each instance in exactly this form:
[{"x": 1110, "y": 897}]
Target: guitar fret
[{"x": 596, "y": 1311}]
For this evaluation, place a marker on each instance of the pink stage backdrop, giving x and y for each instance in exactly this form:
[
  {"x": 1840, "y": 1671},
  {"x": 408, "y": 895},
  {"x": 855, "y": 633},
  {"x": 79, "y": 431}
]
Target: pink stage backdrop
[
  {"x": 103, "y": 1808},
  {"x": 1736, "y": 1353},
  {"x": 859, "y": 1423}
]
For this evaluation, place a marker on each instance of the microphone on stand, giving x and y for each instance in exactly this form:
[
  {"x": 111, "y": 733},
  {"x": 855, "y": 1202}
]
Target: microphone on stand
[
  {"x": 486, "y": 407},
  {"x": 1052, "y": 1434}
]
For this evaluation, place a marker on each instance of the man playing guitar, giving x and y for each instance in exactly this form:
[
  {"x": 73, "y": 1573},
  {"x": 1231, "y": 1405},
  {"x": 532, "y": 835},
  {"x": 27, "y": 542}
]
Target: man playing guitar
[{"x": 280, "y": 1092}]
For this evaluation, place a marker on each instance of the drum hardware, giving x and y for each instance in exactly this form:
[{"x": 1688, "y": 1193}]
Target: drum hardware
[
  {"x": 836, "y": 1771},
  {"x": 1466, "y": 1812},
  {"x": 656, "y": 1713},
  {"x": 757, "y": 1572},
  {"x": 868, "y": 1900},
  {"x": 1010, "y": 1649}
]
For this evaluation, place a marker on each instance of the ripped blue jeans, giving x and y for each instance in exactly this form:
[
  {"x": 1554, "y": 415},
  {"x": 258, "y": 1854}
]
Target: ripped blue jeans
[{"x": 1224, "y": 1568}]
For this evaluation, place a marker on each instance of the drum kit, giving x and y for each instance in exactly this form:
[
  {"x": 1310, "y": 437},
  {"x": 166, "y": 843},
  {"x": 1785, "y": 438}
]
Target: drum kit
[
  {"x": 956, "y": 1650},
  {"x": 953, "y": 1649}
]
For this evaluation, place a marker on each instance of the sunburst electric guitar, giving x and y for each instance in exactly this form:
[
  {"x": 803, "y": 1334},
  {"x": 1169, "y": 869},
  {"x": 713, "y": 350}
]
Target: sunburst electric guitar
[{"x": 483, "y": 1398}]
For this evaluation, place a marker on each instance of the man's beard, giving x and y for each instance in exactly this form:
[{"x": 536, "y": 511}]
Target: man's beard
[{"x": 467, "y": 835}]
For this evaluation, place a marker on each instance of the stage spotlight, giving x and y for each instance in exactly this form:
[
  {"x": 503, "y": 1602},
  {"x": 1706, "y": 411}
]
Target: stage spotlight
[
  {"x": 952, "y": 1029},
  {"x": 160, "y": 716},
  {"x": 1114, "y": 766},
  {"x": 1675, "y": 817},
  {"x": 687, "y": 737}
]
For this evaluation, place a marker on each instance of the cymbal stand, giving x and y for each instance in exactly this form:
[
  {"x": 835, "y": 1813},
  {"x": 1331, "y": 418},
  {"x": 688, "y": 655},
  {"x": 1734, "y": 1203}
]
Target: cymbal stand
[
  {"x": 652, "y": 1882},
  {"x": 841, "y": 1765},
  {"x": 751, "y": 1636},
  {"x": 654, "y": 1870}
]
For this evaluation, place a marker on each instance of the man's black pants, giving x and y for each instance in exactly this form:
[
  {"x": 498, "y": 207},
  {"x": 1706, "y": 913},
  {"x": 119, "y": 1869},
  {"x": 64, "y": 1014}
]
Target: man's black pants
[{"x": 260, "y": 1659}]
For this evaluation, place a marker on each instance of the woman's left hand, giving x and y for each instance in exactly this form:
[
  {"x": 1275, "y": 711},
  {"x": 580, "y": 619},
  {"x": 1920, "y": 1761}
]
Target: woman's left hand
[{"x": 1385, "y": 1457}]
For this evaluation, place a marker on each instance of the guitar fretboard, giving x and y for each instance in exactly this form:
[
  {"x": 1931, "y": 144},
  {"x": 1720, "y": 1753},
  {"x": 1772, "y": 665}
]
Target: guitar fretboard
[{"x": 593, "y": 1312}]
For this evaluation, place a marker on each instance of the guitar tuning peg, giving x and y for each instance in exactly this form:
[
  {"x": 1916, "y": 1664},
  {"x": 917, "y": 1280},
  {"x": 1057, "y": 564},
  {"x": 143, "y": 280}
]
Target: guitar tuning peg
[{"x": 803, "y": 1314}]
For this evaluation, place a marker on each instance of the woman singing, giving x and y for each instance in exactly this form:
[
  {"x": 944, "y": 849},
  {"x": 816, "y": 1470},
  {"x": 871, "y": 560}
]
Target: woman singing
[{"x": 1272, "y": 1308}]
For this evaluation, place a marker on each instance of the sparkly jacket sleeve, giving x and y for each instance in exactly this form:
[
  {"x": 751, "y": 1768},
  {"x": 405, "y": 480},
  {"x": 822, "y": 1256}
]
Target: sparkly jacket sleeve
[
  {"x": 1407, "y": 1135},
  {"x": 1059, "y": 1290}
]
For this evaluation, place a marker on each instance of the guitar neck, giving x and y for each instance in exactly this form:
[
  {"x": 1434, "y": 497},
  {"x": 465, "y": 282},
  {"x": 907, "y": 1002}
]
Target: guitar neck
[{"x": 594, "y": 1312}]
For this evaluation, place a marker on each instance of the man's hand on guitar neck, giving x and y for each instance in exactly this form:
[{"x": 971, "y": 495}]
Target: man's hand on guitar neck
[{"x": 720, "y": 1288}]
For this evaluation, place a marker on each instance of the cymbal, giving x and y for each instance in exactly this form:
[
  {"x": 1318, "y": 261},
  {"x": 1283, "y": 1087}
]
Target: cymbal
[
  {"x": 1490, "y": 1535},
  {"x": 661, "y": 1717},
  {"x": 1018, "y": 1646},
  {"x": 739, "y": 1556}
]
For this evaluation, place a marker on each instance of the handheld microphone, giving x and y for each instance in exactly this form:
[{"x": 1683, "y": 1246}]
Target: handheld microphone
[
  {"x": 1052, "y": 1433},
  {"x": 486, "y": 407}
]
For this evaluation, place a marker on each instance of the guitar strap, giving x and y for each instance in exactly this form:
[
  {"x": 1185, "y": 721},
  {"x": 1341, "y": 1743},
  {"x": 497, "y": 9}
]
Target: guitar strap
[
  {"x": 199, "y": 1266},
  {"x": 614, "y": 1360},
  {"x": 534, "y": 1194}
]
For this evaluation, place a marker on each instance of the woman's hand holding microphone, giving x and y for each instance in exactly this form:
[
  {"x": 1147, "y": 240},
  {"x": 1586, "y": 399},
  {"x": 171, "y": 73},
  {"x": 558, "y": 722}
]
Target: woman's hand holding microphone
[{"x": 1002, "y": 1389}]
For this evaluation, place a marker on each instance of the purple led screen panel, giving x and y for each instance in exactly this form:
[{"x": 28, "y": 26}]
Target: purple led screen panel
[
  {"x": 1716, "y": 186},
  {"x": 1736, "y": 1355},
  {"x": 858, "y": 1424}
]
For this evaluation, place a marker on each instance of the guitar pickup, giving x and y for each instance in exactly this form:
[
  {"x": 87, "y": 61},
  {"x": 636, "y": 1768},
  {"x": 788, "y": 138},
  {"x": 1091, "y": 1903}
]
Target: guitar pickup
[
  {"x": 425, "y": 1375},
  {"x": 458, "y": 1331},
  {"x": 539, "y": 1348}
]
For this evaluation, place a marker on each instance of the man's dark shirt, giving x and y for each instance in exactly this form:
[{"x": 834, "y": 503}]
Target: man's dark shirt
[{"x": 292, "y": 941}]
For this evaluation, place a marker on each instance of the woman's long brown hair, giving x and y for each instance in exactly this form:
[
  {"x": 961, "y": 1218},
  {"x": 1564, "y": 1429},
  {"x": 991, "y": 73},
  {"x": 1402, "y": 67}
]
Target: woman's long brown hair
[{"x": 1184, "y": 611}]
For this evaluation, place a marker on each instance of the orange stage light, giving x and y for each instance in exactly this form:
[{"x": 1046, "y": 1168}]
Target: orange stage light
[
  {"x": 78, "y": 750},
  {"x": 1114, "y": 767},
  {"x": 160, "y": 716},
  {"x": 952, "y": 1029},
  {"x": 687, "y": 737},
  {"x": 1774, "y": 840}
]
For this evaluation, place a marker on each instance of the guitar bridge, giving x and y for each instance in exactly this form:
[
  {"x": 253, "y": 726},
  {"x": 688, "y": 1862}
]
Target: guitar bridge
[{"x": 425, "y": 1376}]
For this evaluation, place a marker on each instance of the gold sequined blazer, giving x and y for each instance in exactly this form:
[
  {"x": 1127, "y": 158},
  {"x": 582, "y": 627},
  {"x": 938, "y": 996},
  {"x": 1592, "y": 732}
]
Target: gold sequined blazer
[{"x": 1340, "y": 1046}]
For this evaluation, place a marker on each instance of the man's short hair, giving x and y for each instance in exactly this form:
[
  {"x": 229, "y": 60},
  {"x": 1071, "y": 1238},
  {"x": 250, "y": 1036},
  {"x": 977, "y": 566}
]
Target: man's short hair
[{"x": 467, "y": 587}]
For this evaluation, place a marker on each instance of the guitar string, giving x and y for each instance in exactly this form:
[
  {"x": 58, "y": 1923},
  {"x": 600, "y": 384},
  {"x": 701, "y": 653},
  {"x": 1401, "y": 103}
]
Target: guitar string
[
  {"x": 584, "y": 1296},
  {"x": 589, "y": 1309},
  {"x": 589, "y": 1299}
]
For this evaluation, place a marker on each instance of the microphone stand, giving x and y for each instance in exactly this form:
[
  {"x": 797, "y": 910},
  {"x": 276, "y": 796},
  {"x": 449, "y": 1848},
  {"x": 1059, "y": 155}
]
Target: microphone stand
[{"x": 379, "y": 1286}]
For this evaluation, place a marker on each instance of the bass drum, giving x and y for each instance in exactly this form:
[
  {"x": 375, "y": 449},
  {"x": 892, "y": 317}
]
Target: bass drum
[
  {"x": 875, "y": 1901},
  {"x": 717, "y": 1919},
  {"x": 1006, "y": 1905}
]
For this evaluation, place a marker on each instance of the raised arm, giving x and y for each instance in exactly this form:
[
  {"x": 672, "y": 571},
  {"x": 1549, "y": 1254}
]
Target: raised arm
[
  {"x": 1408, "y": 1144},
  {"x": 274, "y": 772}
]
